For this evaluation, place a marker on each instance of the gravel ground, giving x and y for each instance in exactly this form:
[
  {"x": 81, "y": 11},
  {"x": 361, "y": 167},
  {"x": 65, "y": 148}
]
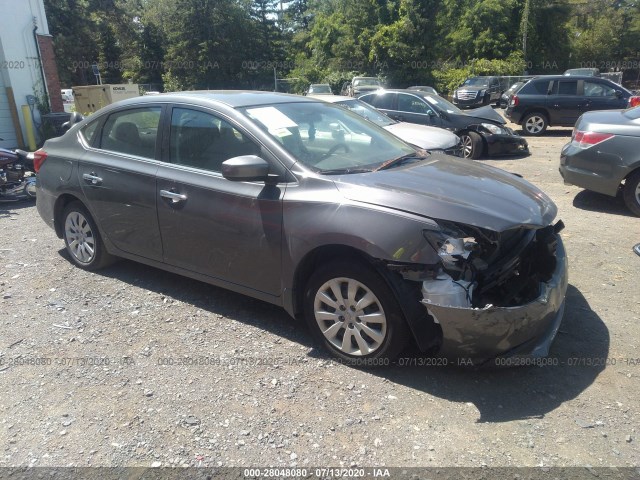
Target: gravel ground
[{"x": 86, "y": 377}]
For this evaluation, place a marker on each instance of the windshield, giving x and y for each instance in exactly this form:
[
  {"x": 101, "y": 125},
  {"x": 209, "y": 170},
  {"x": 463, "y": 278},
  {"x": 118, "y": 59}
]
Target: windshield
[
  {"x": 476, "y": 82},
  {"x": 328, "y": 138},
  {"x": 363, "y": 82},
  {"x": 366, "y": 111},
  {"x": 442, "y": 104}
]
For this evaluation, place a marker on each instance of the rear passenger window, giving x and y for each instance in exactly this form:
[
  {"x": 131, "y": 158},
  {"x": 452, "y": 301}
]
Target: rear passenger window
[
  {"x": 133, "y": 132},
  {"x": 566, "y": 87},
  {"x": 88, "y": 131},
  {"x": 540, "y": 87},
  {"x": 199, "y": 139}
]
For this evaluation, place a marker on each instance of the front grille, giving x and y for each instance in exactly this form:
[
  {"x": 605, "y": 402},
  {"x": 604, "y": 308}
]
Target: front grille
[{"x": 467, "y": 95}]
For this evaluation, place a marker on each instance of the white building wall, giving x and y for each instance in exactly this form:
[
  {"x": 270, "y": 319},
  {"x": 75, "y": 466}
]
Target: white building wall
[{"x": 19, "y": 64}]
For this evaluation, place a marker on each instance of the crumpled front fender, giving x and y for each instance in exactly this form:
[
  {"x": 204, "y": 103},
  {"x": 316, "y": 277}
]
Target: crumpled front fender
[{"x": 485, "y": 333}]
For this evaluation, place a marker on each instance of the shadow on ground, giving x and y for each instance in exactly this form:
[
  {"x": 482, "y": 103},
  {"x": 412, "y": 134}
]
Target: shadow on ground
[
  {"x": 499, "y": 394},
  {"x": 550, "y": 132},
  {"x": 7, "y": 209},
  {"x": 597, "y": 202},
  {"x": 503, "y": 395}
]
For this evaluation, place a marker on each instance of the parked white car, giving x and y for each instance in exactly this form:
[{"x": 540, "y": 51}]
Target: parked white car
[
  {"x": 422, "y": 136},
  {"x": 67, "y": 95}
]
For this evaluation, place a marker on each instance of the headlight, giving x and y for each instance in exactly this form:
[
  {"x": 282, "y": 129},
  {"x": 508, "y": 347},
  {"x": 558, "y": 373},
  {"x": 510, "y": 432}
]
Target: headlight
[
  {"x": 451, "y": 244},
  {"x": 481, "y": 93},
  {"x": 455, "y": 94},
  {"x": 493, "y": 128}
]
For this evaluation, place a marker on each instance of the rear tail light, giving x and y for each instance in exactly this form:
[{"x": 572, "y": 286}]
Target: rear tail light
[
  {"x": 39, "y": 156},
  {"x": 634, "y": 101},
  {"x": 515, "y": 101},
  {"x": 589, "y": 139}
]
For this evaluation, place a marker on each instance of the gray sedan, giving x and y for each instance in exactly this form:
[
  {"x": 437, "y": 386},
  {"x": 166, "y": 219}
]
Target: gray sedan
[
  {"x": 604, "y": 154},
  {"x": 306, "y": 205}
]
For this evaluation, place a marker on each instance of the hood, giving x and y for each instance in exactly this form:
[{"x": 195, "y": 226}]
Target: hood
[
  {"x": 453, "y": 189},
  {"x": 473, "y": 88},
  {"x": 422, "y": 136},
  {"x": 487, "y": 113}
]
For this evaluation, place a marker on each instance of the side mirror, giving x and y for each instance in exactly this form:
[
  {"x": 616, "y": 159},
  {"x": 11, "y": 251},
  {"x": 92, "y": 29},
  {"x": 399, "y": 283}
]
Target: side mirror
[
  {"x": 246, "y": 168},
  {"x": 618, "y": 94}
]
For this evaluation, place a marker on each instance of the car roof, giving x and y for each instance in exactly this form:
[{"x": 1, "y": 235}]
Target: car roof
[
  {"x": 568, "y": 77},
  {"x": 231, "y": 98},
  {"x": 419, "y": 93},
  {"x": 331, "y": 98}
]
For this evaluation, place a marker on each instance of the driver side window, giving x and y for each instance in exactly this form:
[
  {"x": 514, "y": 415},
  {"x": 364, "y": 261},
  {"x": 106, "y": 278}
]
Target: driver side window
[
  {"x": 411, "y": 104},
  {"x": 202, "y": 140}
]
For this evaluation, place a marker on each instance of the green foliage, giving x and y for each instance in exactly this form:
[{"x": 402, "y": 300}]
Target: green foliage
[
  {"x": 186, "y": 44},
  {"x": 450, "y": 77}
]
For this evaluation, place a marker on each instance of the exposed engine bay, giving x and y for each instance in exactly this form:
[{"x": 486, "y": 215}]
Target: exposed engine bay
[{"x": 481, "y": 268}]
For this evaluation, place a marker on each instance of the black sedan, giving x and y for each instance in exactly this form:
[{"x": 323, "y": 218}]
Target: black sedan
[
  {"x": 311, "y": 207},
  {"x": 604, "y": 155},
  {"x": 482, "y": 130}
]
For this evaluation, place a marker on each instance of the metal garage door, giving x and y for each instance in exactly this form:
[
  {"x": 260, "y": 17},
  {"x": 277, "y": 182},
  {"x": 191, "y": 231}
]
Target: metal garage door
[{"x": 7, "y": 132}]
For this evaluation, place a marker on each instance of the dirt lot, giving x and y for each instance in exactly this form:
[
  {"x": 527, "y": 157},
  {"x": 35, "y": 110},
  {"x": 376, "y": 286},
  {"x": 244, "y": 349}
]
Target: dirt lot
[{"x": 269, "y": 397}]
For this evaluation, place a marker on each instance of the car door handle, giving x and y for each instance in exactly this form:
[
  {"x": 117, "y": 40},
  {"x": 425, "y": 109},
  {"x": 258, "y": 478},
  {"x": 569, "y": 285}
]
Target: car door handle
[
  {"x": 173, "y": 196},
  {"x": 92, "y": 178}
]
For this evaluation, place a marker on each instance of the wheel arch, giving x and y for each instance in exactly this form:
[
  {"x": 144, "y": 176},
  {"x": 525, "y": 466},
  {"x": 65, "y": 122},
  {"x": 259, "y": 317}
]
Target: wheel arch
[
  {"x": 424, "y": 331},
  {"x": 540, "y": 110},
  {"x": 475, "y": 129},
  {"x": 633, "y": 168},
  {"x": 315, "y": 257},
  {"x": 61, "y": 203}
]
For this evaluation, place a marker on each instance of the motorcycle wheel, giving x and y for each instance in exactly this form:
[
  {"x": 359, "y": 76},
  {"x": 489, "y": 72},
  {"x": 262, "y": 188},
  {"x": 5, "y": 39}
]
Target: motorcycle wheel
[{"x": 30, "y": 189}]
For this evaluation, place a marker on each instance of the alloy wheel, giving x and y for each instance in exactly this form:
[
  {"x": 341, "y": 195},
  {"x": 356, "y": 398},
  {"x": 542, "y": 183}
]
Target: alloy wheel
[
  {"x": 467, "y": 146},
  {"x": 79, "y": 236},
  {"x": 350, "y": 316},
  {"x": 534, "y": 124}
]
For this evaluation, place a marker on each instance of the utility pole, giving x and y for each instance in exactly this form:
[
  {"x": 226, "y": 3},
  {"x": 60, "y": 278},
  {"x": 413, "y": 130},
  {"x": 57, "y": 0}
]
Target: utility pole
[{"x": 525, "y": 30}]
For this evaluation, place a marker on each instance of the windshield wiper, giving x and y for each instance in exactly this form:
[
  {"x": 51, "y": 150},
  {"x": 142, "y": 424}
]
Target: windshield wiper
[
  {"x": 338, "y": 171},
  {"x": 397, "y": 161}
]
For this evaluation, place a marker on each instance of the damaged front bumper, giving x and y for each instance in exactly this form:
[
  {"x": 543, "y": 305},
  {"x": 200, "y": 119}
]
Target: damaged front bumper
[{"x": 482, "y": 334}]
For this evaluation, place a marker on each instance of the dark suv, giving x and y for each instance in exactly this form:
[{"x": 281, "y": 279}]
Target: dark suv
[
  {"x": 478, "y": 91},
  {"x": 560, "y": 100}
]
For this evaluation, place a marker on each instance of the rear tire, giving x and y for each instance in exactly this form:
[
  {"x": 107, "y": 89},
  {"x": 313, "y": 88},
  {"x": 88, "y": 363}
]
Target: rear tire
[
  {"x": 472, "y": 145},
  {"x": 82, "y": 238},
  {"x": 535, "y": 124},
  {"x": 631, "y": 192},
  {"x": 352, "y": 311}
]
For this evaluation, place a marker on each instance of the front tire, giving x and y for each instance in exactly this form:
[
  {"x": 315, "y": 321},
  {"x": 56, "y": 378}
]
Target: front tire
[
  {"x": 82, "y": 238},
  {"x": 631, "y": 192},
  {"x": 534, "y": 124},
  {"x": 352, "y": 311},
  {"x": 472, "y": 146}
]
